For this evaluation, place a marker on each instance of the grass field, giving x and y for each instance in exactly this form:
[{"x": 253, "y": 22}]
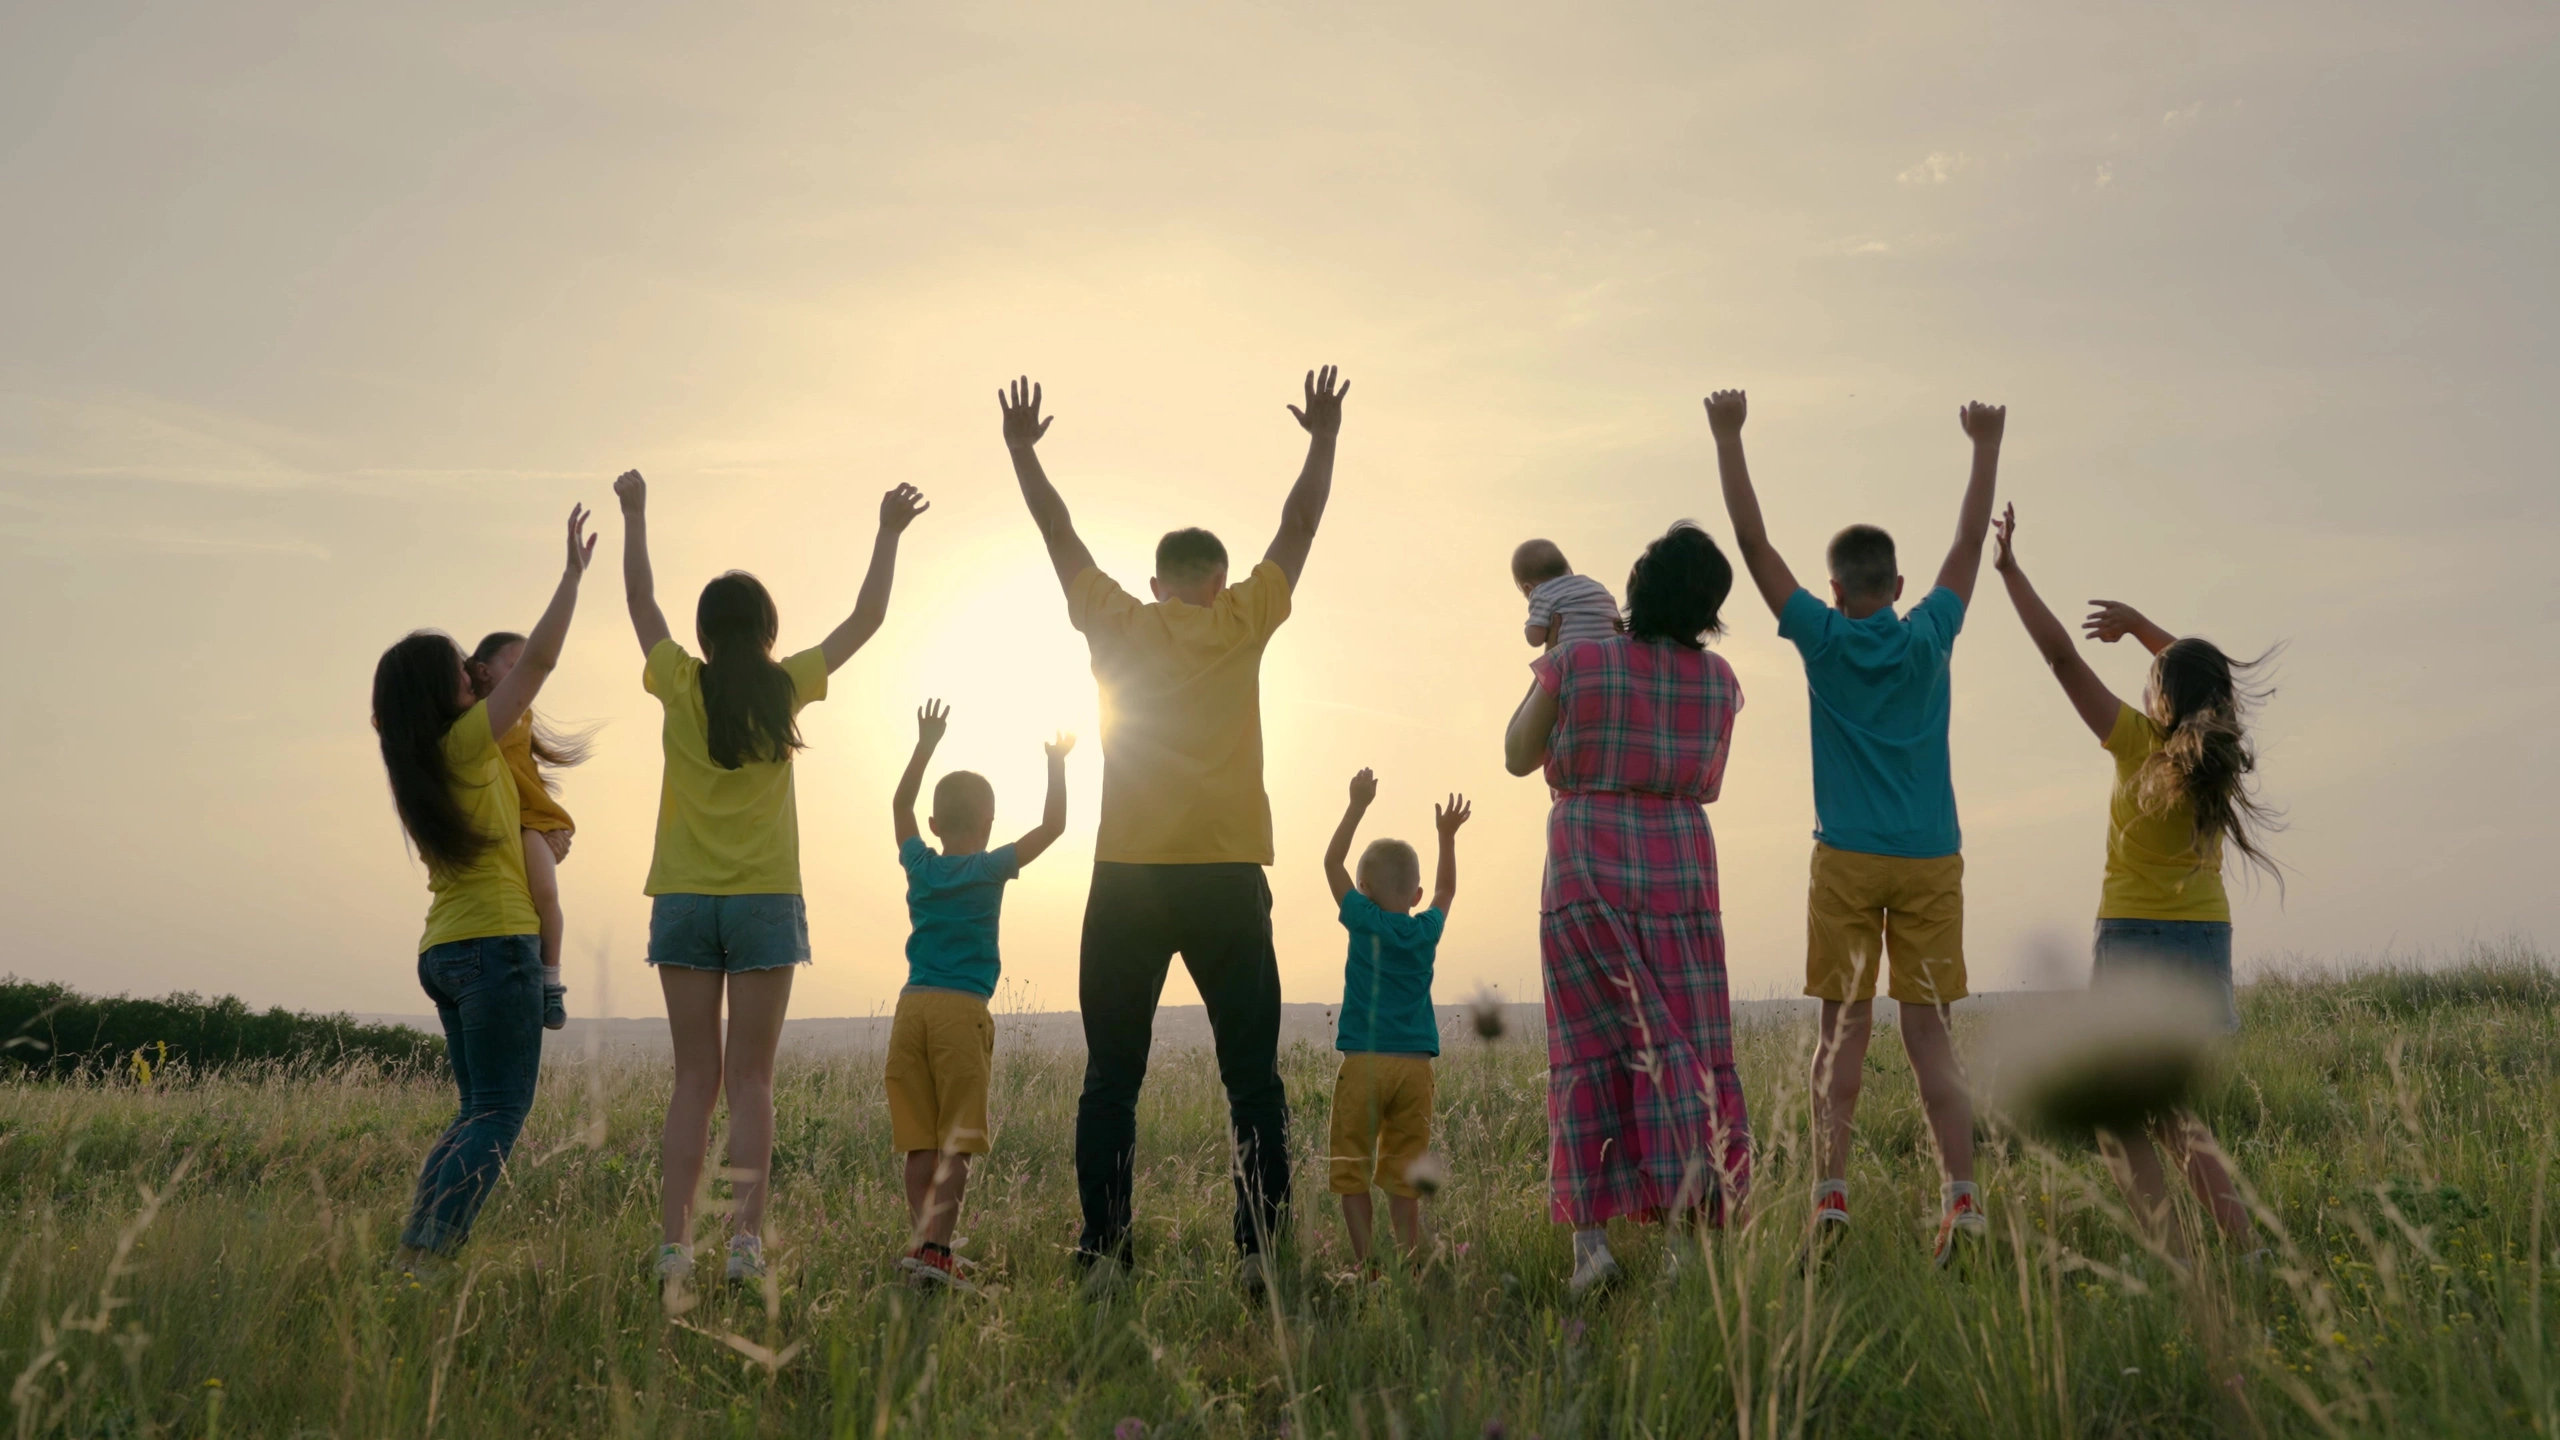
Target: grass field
[{"x": 204, "y": 1255}]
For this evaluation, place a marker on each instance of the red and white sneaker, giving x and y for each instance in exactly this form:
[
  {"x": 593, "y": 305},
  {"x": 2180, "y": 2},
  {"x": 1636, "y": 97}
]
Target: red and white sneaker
[
  {"x": 1961, "y": 1222},
  {"x": 932, "y": 1267},
  {"x": 1829, "y": 1225}
]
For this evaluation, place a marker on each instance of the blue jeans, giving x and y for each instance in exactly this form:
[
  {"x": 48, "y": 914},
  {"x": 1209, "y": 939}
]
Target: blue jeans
[
  {"x": 2197, "y": 952},
  {"x": 488, "y": 993},
  {"x": 728, "y": 933}
]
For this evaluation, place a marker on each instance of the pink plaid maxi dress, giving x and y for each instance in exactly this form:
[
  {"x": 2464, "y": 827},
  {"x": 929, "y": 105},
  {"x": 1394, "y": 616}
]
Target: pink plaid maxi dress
[{"x": 1644, "y": 1109}]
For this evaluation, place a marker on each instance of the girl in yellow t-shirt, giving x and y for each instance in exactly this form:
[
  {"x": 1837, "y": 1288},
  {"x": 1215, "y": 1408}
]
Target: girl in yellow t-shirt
[
  {"x": 2184, "y": 798},
  {"x": 480, "y": 959},
  {"x": 726, "y": 924},
  {"x": 532, "y": 749}
]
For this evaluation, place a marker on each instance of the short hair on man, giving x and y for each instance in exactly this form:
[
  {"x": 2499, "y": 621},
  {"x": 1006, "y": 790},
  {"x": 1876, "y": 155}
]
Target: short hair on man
[
  {"x": 964, "y": 802},
  {"x": 1183, "y": 556},
  {"x": 1391, "y": 867},
  {"x": 1861, "y": 559},
  {"x": 1538, "y": 561}
]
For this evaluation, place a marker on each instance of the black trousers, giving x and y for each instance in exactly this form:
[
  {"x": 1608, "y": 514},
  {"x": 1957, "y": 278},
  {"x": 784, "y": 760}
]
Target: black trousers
[{"x": 1219, "y": 918}]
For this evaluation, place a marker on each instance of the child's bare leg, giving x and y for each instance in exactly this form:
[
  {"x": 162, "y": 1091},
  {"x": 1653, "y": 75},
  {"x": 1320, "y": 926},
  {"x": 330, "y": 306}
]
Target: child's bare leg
[
  {"x": 2185, "y": 1139},
  {"x": 758, "y": 1000},
  {"x": 542, "y": 879},
  {"x": 2148, "y": 1189},
  {"x": 1839, "y": 1068},
  {"x": 1359, "y": 1216},
  {"x": 1404, "y": 1212},
  {"x": 950, "y": 1177},
  {"x": 693, "y": 1024},
  {"x": 919, "y": 1178},
  {"x": 1942, "y": 1092}
]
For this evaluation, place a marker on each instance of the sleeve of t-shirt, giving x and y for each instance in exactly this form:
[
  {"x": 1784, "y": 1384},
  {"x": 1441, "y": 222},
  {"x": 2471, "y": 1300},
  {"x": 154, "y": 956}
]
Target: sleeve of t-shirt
[
  {"x": 1941, "y": 614},
  {"x": 1096, "y": 605},
  {"x": 469, "y": 740},
  {"x": 1358, "y": 913},
  {"x": 1262, "y": 599},
  {"x": 2134, "y": 737},
  {"x": 658, "y": 673},
  {"x": 1548, "y": 669},
  {"x": 1542, "y": 604},
  {"x": 913, "y": 852},
  {"x": 1000, "y": 864},
  {"x": 808, "y": 672},
  {"x": 1434, "y": 920},
  {"x": 1806, "y": 621}
]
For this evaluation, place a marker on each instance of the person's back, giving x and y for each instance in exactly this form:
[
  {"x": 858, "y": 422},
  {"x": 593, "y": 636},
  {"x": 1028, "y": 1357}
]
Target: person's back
[{"x": 1880, "y": 700}]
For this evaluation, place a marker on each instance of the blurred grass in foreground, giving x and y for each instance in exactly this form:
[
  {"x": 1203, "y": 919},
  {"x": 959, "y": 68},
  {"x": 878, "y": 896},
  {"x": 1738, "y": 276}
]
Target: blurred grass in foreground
[{"x": 205, "y": 1257}]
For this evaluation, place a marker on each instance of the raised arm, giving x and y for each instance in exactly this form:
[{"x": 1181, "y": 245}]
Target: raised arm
[
  {"x": 639, "y": 586},
  {"x": 931, "y": 721},
  {"x": 1304, "y": 509},
  {"x": 898, "y": 510},
  {"x": 1964, "y": 558},
  {"x": 2090, "y": 696},
  {"x": 1446, "y": 819},
  {"x": 2113, "y": 620},
  {"x": 1053, "y": 811},
  {"x": 514, "y": 695},
  {"x": 1023, "y": 428},
  {"x": 1337, "y": 851},
  {"x": 1725, "y": 412}
]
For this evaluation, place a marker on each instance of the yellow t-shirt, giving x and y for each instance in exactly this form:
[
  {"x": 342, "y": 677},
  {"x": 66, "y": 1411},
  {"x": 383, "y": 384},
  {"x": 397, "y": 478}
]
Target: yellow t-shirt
[
  {"x": 537, "y": 807},
  {"x": 723, "y": 832},
  {"x": 488, "y": 897},
  {"x": 2152, "y": 869},
  {"x": 1181, "y": 719}
]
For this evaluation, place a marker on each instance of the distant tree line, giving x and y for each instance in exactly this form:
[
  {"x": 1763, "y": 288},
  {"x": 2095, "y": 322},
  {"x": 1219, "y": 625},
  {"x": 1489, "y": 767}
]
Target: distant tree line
[{"x": 56, "y": 1032}]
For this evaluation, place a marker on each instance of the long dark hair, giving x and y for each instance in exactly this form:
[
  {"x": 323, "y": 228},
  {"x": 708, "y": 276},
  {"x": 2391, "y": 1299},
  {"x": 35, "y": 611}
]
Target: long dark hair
[
  {"x": 415, "y": 701},
  {"x": 746, "y": 697},
  {"x": 2202, "y": 698},
  {"x": 555, "y": 748},
  {"x": 1677, "y": 589}
]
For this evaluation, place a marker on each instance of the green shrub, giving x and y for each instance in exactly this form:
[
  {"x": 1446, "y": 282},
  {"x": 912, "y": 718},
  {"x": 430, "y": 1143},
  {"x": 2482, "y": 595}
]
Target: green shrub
[{"x": 57, "y": 1032}]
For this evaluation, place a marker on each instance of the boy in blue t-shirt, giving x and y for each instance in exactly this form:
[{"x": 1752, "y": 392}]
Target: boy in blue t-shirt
[
  {"x": 1888, "y": 867},
  {"x": 942, "y": 1042},
  {"x": 1388, "y": 1033}
]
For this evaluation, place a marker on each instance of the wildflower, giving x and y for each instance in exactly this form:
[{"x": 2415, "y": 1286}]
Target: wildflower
[
  {"x": 1573, "y": 1332},
  {"x": 1130, "y": 1428}
]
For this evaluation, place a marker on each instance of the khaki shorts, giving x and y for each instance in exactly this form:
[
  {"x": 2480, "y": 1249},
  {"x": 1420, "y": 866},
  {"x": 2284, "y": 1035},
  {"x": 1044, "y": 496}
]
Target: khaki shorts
[
  {"x": 1864, "y": 909},
  {"x": 942, "y": 1047},
  {"x": 1381, "y": 1121}
]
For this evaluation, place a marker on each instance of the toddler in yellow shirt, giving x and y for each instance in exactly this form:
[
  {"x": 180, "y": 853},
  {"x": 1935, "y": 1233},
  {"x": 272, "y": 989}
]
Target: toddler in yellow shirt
[{"x": 533, "y": 749}]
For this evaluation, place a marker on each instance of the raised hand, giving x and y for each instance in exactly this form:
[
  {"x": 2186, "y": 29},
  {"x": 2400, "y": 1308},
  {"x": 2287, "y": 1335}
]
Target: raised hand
[
  {"x": 582, "y": 546},
  {"x": 1323, "y": 412},
  {"x": 1447, "y": 818},
  {"x": 1725, "y": 410},
  {"x": 1057, "y": 749},
  {"x": 2004, "y": 532},
  {"x": 900, "y": 507},
  {"x": 2112, "y": 621},
  {"x": 1020, "y": 403},
  {"x": 1364, "y": 788},
  {"x": 632, "y": 491},
  {"x": 1983, "y": 422},
  {"x": 931, "y": 721}
]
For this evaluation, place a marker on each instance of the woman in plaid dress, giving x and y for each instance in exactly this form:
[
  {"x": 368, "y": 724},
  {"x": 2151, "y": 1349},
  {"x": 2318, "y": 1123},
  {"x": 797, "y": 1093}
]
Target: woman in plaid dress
[{"x": 1645, "y": 1114}]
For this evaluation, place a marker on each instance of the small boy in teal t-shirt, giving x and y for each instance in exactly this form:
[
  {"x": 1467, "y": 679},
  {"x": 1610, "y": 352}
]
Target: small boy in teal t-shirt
[
  {"x": 942, "y": 1043},
  {"x": 1388, "y": 1033}
]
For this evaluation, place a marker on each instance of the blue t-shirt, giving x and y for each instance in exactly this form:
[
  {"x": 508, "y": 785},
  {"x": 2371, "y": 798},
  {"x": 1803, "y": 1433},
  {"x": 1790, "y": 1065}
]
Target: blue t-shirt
[
  {"x": 1881, "y": 785},
  {"x": 952, "y": 901},
  {"x": 1386, "y": 986}
]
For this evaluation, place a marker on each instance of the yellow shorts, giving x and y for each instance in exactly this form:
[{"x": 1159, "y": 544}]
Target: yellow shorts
[
  {"x": 1381, "y": 1121},
  {"x": 942, "y": 1047},
  {"x": 1864, "y": 909}
]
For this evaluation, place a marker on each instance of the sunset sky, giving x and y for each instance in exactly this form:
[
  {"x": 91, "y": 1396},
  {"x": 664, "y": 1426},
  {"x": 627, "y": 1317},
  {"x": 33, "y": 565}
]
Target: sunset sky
[{"x": 314, "y": 321}]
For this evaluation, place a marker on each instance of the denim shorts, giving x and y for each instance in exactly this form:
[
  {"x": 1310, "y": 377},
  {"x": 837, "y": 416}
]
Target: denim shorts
[
  {"x": 2195, "y": 951},
  {"x": 728, "y": 933}
]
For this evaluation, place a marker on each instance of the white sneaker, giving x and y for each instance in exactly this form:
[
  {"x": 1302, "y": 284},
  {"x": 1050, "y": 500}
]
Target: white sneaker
[
  {"x": 746, "y": 1259},
  {"x": 1593, "y": 1270},
  {"x": 674, "y": 1263}
]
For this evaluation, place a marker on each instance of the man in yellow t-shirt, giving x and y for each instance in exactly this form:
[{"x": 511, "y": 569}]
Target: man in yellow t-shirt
[{"x": 1186, "y": 827}]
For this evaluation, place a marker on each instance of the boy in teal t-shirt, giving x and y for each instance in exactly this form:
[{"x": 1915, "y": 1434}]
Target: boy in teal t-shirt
[
  {"x": 1388, "y": 1033},
  {"x": 942, "y": 1043},
  {"x": 1888, "y": 868}
]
